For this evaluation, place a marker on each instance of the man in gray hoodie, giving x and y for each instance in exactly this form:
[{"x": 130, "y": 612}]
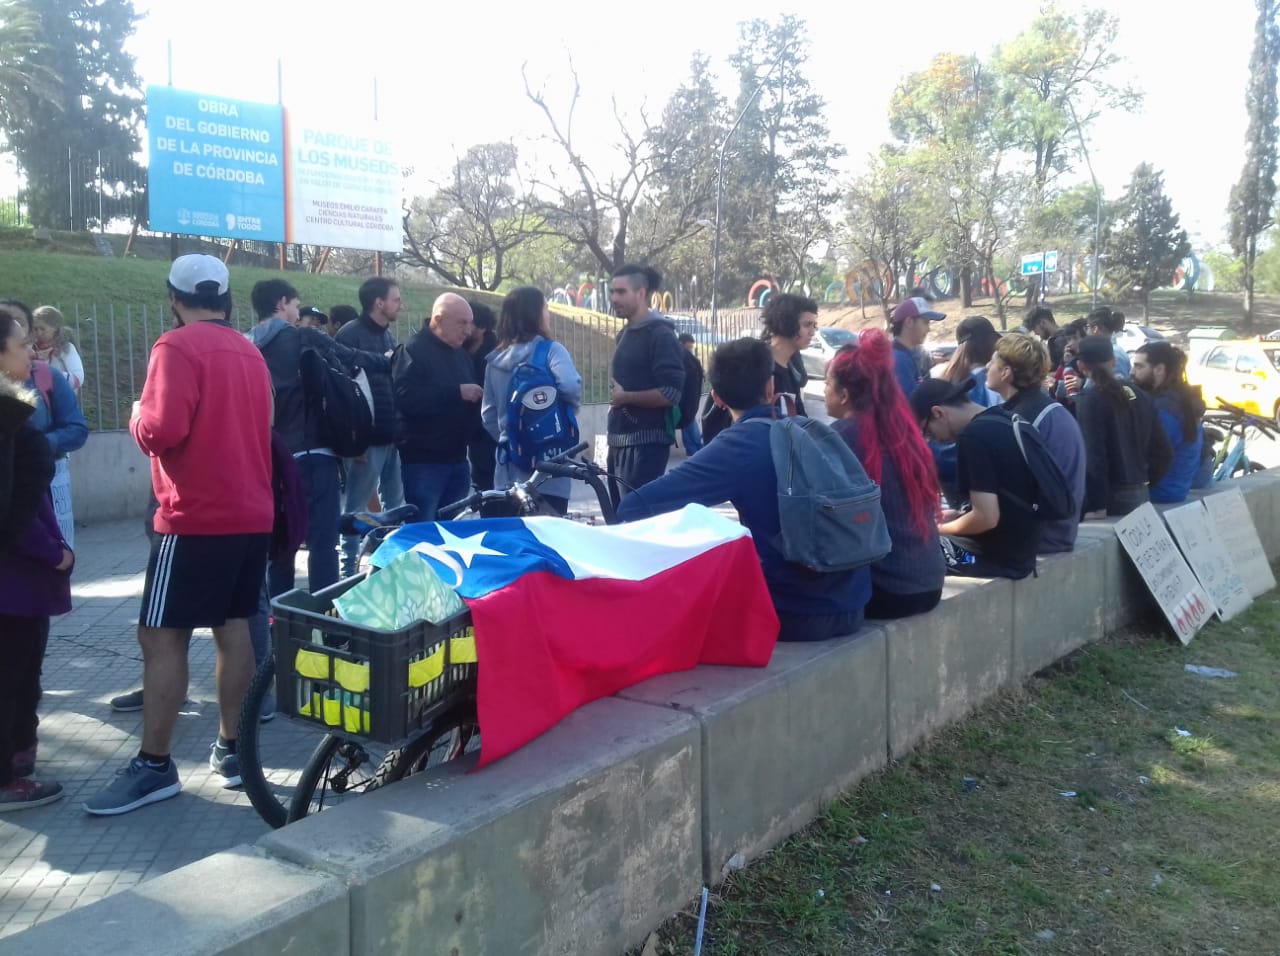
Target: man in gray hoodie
[{"x": 648, "y": 379}]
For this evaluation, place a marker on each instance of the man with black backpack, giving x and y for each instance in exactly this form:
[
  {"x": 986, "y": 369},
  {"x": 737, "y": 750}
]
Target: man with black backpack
[
  {"x": 437, "y": 400},
  {"x": 300, "y": 422},
  {"x": 1006, "y": 482},
  {"x": 812, "y": 604}
]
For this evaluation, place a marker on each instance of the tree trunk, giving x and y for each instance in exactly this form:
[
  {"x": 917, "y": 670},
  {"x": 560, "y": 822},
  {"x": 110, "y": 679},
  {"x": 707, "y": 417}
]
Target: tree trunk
[
  {"x": 966, "y": 286},
  {"x": 1250, "y": 256}
]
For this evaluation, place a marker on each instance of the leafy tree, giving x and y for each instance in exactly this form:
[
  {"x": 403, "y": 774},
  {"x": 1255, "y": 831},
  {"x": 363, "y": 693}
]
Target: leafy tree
[
  {"x": 98, "y": 108},
  {"x": 1147, "y": 242},
  {"x": 782, "y": 181},
  {"x": 1228, "y": 271},
  {"x": 961, "y": 146},
  {"x": 465, "y": 231},
  {"x": 883, "y": 231},
  {"x": 1252, "y": 197},
  {"x": 25, "y": 84},
  {"x": 1056, "y": 80}
]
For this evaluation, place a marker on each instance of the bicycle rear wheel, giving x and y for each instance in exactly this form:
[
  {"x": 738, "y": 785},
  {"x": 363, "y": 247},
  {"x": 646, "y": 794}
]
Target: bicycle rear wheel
[{"x": 341, "y": 768}]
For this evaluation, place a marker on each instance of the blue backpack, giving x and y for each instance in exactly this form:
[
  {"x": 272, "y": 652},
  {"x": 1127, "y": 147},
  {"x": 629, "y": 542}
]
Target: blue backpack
[{"x": 539, "y": 423}]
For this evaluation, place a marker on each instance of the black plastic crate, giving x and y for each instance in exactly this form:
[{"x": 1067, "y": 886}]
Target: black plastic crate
[{"x": 360, "y": 681}]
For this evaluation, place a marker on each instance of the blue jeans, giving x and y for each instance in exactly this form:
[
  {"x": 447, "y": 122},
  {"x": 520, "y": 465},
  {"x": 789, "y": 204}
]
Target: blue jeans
[
  {"x": 321, "y": 477},
  {"x": 380, "y": 469},
  {"x": 430, "y": 486},
  {"x": 691, "y": 436}
]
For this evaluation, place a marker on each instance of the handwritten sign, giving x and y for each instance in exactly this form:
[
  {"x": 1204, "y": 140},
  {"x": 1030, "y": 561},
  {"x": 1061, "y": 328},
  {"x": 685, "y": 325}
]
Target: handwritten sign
[
  {"x": 1203, "y": 550},
  {"x": 1230, "y": 517},
  {"x": 1183, "y": 601}
]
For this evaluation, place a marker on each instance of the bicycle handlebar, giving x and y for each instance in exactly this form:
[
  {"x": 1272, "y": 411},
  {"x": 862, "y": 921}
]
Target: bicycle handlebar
[{"x": 1235, "y": 413}]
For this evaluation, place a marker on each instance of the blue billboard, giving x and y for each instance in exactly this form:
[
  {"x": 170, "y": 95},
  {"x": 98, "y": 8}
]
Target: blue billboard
[{"x": 217, "y": 165}]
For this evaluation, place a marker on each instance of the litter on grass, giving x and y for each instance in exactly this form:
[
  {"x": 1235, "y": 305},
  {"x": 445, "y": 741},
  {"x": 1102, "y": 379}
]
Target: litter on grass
[
  {"x": 1209, "y": 671},
  {"x": 1181, "y": 733},
  {"x": 1067, "y": 793}
]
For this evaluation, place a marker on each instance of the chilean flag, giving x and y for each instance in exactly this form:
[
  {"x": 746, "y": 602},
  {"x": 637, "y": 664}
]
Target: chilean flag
[{"x": 565, "y": 613}]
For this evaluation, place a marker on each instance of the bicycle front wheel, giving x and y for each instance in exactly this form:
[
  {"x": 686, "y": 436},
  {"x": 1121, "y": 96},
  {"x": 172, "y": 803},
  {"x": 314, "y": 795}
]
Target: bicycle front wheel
[
  {"x": 270, "y": 804},
  {"x": 342, "y": 768}
]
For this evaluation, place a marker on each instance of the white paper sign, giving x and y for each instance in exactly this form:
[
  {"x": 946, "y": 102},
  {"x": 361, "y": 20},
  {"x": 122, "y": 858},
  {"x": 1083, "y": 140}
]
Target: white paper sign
[
  {"x": 1229, "y": 514},
  {"x": 1184, "y": 602},
  {"x": 1208, "y": 559}
]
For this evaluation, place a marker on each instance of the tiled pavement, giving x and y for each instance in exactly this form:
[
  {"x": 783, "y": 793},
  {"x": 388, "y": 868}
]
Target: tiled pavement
[{"x": 57, "y": 857}]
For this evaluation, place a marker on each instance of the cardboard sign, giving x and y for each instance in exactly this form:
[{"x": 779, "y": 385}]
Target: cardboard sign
[
  {"x": 1229, "y": 515},
  {"x": 1183, "y": 601},
  {"x": 1203, "y": 550}
]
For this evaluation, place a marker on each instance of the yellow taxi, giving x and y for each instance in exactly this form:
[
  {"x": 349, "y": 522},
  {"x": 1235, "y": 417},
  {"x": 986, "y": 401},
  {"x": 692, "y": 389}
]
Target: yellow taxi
[{"x": 1244, "y": 373}]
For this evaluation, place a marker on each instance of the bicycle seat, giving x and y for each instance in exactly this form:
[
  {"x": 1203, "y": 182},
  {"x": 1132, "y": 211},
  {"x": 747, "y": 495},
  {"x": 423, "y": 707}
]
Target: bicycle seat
[{"x": 362, "y": 522}]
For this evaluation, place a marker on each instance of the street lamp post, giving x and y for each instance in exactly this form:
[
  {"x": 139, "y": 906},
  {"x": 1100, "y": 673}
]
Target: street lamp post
[
  {"x": 1097, "y": 212},
  {"x": 715, "y": 245}
]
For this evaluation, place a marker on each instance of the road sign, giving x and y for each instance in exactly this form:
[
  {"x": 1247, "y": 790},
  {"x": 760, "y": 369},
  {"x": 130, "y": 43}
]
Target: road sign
[
  {"x": 1051, "y": 261},
  {"x": 1032, "y": 265}
]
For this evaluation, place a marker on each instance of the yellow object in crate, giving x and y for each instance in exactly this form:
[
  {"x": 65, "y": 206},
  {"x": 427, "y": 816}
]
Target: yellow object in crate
[{"x": 335, "y": 713}]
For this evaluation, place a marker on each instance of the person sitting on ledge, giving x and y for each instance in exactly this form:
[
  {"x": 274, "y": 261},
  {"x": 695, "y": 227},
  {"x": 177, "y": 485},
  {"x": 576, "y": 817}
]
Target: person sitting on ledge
[
  {"x": 738, "y": 467},
  {"x": 989, "y": 536}
]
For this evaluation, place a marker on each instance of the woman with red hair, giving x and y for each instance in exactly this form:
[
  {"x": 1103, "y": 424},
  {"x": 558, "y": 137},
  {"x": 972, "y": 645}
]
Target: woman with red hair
[{"x": 873, "y": 418}]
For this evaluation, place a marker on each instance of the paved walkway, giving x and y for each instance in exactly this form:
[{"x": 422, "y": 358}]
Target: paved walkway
[{"x": 57, "y": 857}]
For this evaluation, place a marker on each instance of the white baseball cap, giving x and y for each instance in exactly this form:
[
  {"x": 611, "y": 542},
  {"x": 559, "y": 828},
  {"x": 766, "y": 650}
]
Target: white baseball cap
[{"x": 190, "y": 272}]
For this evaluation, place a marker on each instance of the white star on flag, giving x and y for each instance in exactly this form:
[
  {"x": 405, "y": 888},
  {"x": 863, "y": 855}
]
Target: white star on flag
[{"x": 466, "y": 548}]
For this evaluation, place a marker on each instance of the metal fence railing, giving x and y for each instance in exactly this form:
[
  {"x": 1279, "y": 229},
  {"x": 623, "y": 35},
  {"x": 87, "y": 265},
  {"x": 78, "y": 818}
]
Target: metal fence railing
[{"x": 115, "y": 342}]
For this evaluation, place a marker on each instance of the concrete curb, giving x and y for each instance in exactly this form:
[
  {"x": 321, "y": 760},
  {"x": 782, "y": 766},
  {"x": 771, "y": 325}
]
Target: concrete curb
[{"x": 589, "y": 837}]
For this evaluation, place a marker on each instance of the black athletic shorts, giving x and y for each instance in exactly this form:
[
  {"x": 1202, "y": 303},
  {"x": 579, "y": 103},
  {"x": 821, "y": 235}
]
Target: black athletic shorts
[{"x": 203, "y": 580}]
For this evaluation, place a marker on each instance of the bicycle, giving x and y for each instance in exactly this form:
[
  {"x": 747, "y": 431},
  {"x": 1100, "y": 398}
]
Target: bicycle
[
  {"x": 262, "y": 793},
  {"x": 1231, "y": 456},
  {"x": 351, "y": 760}
]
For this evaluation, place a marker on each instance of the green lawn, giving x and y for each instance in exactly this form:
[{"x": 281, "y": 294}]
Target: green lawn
[
  {"x": 117, "y": 307},
  {"x": 1168, "y": 845}
]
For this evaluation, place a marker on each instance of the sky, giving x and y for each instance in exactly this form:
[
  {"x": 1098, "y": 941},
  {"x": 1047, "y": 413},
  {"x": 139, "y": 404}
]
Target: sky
[{"x": 449, "y": 76}]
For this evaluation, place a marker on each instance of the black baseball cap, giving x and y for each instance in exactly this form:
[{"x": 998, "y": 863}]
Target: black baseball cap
[
  {"x": 312, "y": 310},
  {"x": 935, "y": 391}
]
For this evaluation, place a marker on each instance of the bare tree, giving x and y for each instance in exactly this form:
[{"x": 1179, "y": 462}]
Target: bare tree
[{"x": 597, "y": 213}]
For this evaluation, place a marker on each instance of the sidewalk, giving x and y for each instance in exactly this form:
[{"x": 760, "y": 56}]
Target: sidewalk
[{"x": 57, "y": 857}]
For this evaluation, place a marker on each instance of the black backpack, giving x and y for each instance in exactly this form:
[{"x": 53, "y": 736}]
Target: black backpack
[
  {"x": 1053, "y": 498},
  {"x": 337, "y": 402}
]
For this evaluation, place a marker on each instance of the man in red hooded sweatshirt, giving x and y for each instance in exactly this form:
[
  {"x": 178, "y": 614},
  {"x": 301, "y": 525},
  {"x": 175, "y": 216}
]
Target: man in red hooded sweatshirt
[{"x": 205, "y": 421}]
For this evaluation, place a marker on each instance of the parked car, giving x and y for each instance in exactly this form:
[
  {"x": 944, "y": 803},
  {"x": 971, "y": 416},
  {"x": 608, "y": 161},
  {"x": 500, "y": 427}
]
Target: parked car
[
  {"x": 1133, "y": 337},
  {"x": 827, "y": 340},
  {"x": 1244, "y": 373},
  {"x": 702, "y": 335}
]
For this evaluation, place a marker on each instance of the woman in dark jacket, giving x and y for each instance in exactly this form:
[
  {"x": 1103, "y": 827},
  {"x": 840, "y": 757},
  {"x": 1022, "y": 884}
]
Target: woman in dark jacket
[{"x": 35, "y": 573}]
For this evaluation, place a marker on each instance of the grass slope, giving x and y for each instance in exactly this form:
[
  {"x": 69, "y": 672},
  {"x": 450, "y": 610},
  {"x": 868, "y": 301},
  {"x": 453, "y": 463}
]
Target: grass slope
[
  {"x": 1168, "y": 846},
  {"x": 117, "y": 307}
]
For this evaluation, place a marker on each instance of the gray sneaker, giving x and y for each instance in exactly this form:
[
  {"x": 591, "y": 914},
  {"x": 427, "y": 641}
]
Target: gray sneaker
[
  {"x": 227, "y": 764},
  {"x": 127, "y": 703},
  {"x": 135, "y": 786}
]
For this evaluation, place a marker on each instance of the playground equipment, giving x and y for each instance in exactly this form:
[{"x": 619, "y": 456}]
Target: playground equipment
[
  {"x": 762, "y": 286},
  {"x": 1187, "y": 275},
  {"x": 662, "y": 301},
  {"x": 836, "y": 287}
]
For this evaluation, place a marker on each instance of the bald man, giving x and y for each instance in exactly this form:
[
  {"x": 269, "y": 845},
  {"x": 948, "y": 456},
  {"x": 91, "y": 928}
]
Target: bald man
[{"x": 437, "y": 407}]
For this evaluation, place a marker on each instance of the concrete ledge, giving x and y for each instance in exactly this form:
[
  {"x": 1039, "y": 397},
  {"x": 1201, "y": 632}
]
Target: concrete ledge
[
  {"x": 580, "y": 842},
  {"x": 239, "y": 902},
  {"x": 781, "y": 741},
  {"x": 1043, "y": 631},
  {"x": 945, "y": 663},
  {"x": 110, "y": 478},
  {"x": 1125, "y": 597}
]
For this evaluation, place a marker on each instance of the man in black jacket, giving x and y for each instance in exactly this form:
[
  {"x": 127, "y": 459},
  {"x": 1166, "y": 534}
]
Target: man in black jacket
[
  {"x": 648, "y": 378},
  {"x": 437, "y": 398},
  {"x": 690, "y": 433},
  {"x": 379, "y": 467}
]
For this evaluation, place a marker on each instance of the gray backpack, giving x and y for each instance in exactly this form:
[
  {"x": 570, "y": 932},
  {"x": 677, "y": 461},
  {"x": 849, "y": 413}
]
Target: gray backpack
[{"x": 828, "y": 508}]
